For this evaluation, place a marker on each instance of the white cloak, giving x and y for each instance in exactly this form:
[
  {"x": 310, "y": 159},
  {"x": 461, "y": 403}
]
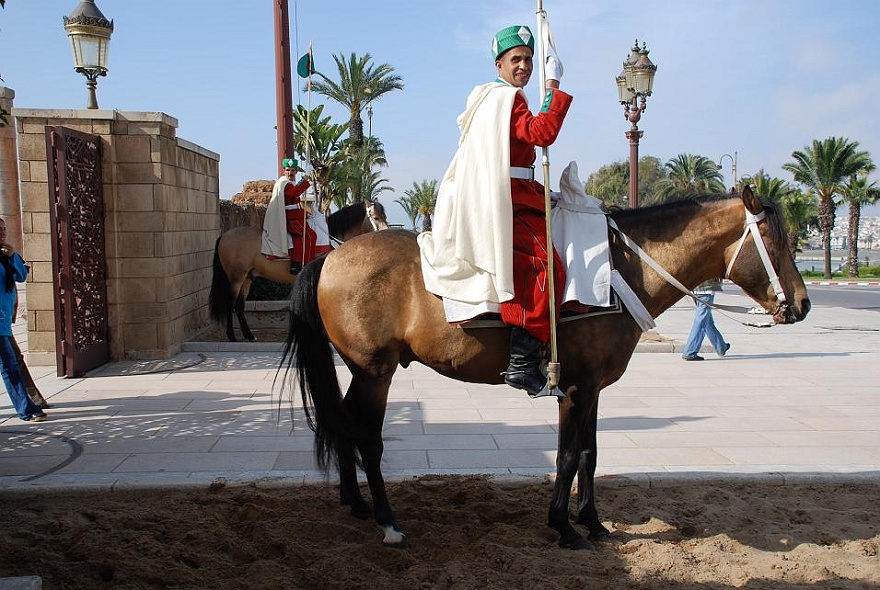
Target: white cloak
[
  {"x": 275, "y": 238},
  {"x": 468, "y": 257}
]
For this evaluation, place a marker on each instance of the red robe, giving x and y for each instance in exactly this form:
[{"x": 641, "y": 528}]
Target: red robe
[
  {"x": 530, "y": 306},
  {"x": 304, "y": 248}
]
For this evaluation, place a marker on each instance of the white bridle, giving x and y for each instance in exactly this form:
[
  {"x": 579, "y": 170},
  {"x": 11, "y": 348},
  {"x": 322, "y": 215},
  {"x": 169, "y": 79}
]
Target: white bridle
[{"x": 752, "y": 227}]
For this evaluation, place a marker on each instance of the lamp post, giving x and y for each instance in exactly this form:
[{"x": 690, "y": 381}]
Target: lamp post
[
  {"x": 89, "y": 33},
  {"x": 370, "y": 119},
  {"x": 634, "y": 85},
  {"x": 733, "y": 163}
]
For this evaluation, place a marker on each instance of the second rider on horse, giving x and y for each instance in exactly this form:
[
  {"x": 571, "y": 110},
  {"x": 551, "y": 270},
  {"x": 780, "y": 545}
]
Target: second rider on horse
[{"x": 293, "y": 226}]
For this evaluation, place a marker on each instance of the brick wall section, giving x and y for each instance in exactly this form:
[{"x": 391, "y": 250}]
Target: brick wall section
[{"x": 161, "y": 198}]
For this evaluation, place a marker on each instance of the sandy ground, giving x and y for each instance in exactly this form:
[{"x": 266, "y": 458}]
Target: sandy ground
[{"x": 466, "y": 532}]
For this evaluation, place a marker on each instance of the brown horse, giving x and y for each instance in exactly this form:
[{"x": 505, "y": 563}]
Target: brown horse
[
  {"x": 237, "y": 260},
  {"x": 369, "y": 300}
]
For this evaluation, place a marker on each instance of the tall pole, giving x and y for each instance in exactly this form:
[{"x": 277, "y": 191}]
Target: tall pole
[
  {"x": 283, "y": 84},
  {"x": 633, "y": 135},
  {"x": 553, "y": 368}
]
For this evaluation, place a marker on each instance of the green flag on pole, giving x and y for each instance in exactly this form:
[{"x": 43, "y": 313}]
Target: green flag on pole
[{"x": 305, "y": 67}]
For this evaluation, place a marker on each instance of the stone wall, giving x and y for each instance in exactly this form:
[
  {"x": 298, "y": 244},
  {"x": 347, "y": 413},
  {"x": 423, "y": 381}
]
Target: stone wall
[
  {"x": 161, "y": 198},
  {"x": 10, "y": 203}
]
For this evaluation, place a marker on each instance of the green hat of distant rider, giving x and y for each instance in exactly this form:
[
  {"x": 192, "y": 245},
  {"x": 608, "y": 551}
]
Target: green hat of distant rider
[
  {"x": 290, "y": 164},
  {"x": 510, "y": 37}
]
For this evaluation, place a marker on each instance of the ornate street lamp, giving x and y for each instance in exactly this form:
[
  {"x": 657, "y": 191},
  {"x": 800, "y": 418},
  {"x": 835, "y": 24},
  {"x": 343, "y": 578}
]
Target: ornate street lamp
[
  {"x": 733, "y": 162},
  {"x": 89, "y": 33},
  {"x": 634, "y": 84}
]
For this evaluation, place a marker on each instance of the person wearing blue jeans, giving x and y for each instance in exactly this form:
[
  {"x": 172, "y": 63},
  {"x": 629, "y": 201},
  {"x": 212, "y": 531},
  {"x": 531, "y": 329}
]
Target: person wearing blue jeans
[
  {"x": 704, "y": 324},
  {"x": 13, "y": 270}
]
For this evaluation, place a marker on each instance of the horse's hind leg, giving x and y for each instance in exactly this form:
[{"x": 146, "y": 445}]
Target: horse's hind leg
[
  {"x": 366, "y": 399},
  {"x": 239, "y": 313},
  {"x": 349, "y": 490}
]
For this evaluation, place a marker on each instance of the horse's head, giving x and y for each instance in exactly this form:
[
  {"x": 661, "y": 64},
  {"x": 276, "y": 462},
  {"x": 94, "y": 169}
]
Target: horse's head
[
  {"x": 376, "y": 214},
  {"x": 761, "y": 263}
]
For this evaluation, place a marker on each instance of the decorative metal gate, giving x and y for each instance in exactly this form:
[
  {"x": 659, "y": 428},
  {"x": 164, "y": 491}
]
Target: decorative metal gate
[{"x": 79, "y": 262}]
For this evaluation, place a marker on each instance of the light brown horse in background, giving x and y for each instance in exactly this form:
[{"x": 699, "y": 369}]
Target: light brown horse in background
[
  {"x": 238, "y": 260},
  {"x": 368, "y": 299}
]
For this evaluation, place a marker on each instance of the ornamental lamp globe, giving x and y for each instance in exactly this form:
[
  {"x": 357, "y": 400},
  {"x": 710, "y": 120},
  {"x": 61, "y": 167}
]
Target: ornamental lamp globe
[{"x": 89, "y": 32}]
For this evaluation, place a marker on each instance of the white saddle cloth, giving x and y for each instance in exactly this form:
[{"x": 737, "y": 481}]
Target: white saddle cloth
[{"x": 580, "y": 235}]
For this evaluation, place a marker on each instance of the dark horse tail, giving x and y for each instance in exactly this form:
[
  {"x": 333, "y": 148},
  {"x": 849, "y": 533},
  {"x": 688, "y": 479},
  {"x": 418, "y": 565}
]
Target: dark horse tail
[
  {"x": 220, "y": 299},
  {"x": 308, "y": 351}
]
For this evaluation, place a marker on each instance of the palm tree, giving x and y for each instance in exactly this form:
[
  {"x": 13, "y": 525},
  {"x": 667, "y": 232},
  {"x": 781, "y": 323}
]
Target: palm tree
[
  {"x": 360, "y": 83},
  {"x": 823, "y": 167},
  {"x": 688, "y": 174},
  {"x": 797, "y": 208},
  {"x": 322, "y": 141},
  {"x": 372, "y": 184},
  {"x": 421, "y": 199},
  {"x": 857, "y": 191},
  {"x": 410, "y": 209}
]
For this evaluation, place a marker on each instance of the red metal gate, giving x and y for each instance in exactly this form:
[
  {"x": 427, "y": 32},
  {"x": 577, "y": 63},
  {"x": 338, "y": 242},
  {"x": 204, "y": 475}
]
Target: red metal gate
[{"x": 79, "y": 263}]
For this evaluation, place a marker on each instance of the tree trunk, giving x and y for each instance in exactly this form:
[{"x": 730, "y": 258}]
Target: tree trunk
[
  {"x": 793, "y": 240},
  {"x": 855, "y": 213},
  {"x": 826, "y": 224}
]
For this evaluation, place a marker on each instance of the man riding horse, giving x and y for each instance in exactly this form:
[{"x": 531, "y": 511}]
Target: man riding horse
[
  {"x": 293, "y": 227},
  {"x": 488, "y": 248}
]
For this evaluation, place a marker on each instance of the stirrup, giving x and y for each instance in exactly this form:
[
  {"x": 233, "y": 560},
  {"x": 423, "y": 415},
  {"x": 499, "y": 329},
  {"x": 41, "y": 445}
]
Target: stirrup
[{"x": 546, "y": 392}]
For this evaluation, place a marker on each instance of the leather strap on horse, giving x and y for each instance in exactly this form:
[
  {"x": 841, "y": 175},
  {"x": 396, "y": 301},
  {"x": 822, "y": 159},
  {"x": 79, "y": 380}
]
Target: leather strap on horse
[{"x": 677, "y": 284}]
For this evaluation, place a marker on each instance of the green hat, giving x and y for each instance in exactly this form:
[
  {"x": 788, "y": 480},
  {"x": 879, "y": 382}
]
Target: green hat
[
  {"x": 290, "y": 163},
  {"x": 511, "y": 37}
]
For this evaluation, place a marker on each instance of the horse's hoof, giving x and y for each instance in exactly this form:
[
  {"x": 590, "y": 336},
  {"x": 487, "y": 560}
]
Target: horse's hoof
[
  {"x": 252, "y": 339},
  {"x": 394, "y": 538},
  {"x": 605, "y": 537},
  {"x": 576, "y": 544},
  {"x": 403, "y": 543}
]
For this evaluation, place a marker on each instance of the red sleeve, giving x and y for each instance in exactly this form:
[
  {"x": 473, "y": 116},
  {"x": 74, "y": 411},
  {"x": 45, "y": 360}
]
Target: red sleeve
[
  {"x": 292, "y": 192},
  {"x": 543, "y": 128}
]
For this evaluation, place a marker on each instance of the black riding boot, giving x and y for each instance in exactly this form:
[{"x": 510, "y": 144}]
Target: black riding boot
[
  {"x": 295, "y": 267},
  {"x": 524, "y": 371}
]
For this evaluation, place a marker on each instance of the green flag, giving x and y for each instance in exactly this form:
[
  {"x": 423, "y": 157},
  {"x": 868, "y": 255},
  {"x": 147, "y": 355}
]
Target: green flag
[{"x": 305, "y": 67}]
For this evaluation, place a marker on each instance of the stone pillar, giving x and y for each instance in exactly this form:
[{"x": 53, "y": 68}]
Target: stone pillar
[
  {"x": 161, "y": 197},
  {"x": 10, "y": 199}
]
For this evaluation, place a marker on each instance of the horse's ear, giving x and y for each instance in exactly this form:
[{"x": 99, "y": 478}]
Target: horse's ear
[{"x": 752, "y": 203}]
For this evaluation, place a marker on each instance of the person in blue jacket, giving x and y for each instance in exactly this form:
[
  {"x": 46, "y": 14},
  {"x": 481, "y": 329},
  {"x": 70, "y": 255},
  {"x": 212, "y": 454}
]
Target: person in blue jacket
[{"x": 13, "y": 270}]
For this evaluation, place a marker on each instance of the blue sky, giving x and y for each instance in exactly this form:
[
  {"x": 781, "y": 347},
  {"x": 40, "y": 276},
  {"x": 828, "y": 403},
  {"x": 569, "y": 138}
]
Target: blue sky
[{"x": 759, "y": 77}]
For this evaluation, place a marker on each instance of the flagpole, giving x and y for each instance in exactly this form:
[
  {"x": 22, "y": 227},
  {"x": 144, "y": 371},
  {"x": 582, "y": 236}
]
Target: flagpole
[
  {"x": 553, "y": 368},
  {"x": 308, "y": 154}
]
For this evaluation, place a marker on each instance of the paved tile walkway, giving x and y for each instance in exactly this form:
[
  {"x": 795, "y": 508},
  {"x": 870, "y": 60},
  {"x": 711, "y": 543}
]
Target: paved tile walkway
[{"x": 789, "y": 400}]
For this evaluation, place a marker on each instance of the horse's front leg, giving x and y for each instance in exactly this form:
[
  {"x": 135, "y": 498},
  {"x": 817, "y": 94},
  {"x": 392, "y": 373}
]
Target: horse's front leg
[
  {"x": 567, "y": 460},
  {"x": 587, "y": 513}
]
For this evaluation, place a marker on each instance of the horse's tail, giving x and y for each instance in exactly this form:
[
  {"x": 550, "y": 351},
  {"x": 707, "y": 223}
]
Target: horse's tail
[
  {"x": 308, "y": 351},
  {"x": 220, "y": 298}
]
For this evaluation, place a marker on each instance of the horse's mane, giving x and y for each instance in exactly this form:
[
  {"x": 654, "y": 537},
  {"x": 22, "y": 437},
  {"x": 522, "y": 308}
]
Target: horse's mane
[
  {"x": 341, "y": 221},
  {"x": 687, "y": 203}
]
